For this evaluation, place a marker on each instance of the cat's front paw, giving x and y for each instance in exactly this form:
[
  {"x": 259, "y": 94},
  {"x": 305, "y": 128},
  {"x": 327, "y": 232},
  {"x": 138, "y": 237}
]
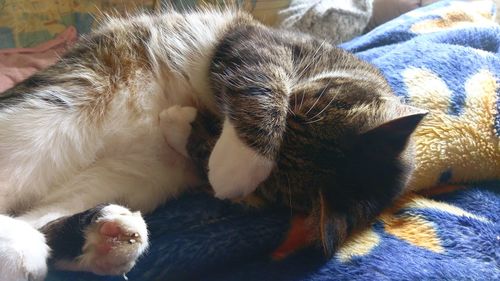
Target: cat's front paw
[
  {"x": 114, "y": 240},
  {"x": 175, "y": 122},
  {"x": 234, "y": 169},
  {"x": 23, "y": 252}
]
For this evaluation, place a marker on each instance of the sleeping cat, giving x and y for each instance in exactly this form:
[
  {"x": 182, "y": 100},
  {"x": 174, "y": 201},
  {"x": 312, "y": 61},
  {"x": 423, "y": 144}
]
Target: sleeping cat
[{"x": 131, "y": 115}]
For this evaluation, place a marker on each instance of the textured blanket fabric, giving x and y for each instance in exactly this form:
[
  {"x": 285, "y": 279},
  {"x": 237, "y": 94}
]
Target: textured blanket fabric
[{"x": 444, "y": 57}]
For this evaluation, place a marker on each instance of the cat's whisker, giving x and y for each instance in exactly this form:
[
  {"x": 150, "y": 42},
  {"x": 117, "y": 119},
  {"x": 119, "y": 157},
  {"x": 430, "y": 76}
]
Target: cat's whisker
[
  {"x": 326, "y": 106},
  {"x": 320, "y": 96},
  {"x": 291, "y": 110},
  {"x": 314, "y": 121},
  {"x": 317, "y": 100},
  {"x": 301, "y": 74},
  {"x": 302, "y": 101},
  {"x": 311, "y": 61},
  {"x": 304, "y": 69},
  {"x": 294, "y": 104}
]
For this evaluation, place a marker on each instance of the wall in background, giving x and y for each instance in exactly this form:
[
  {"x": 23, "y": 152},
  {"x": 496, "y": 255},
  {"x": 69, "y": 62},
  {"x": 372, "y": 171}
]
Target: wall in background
[{"x": 26, "y": 23}]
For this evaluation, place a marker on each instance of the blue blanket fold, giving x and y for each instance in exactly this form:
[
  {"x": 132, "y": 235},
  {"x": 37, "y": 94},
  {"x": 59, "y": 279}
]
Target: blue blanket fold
[{"x": 432, "y": 58}]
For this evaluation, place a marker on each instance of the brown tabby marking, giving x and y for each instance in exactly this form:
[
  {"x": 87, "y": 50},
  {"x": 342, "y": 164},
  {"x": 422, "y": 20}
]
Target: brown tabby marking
[{"x": 332, "y": 123}]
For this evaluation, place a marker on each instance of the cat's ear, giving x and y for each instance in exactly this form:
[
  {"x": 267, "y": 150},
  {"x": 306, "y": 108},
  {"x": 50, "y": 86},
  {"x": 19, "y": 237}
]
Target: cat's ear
[{"x": 394, "y": 134}]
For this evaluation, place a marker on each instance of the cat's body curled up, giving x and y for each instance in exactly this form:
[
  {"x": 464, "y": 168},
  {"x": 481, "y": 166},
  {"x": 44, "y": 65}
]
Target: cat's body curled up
[{"x": 109, "y": 123}]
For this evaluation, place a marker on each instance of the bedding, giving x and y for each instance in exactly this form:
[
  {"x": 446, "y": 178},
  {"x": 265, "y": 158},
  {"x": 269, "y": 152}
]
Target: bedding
[{"x": 444, "y": 57}]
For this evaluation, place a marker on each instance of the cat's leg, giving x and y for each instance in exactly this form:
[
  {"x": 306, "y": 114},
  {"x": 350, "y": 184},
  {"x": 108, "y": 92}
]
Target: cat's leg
[
  {"x": 175, "y": 123},
  {"x": 234, "y": 168},
  {"x": 23, "y": 251},
  {"x": 106, "y": 240},
  {"x": 253, "y": 81},
  {"x": 197, "y": 136}
]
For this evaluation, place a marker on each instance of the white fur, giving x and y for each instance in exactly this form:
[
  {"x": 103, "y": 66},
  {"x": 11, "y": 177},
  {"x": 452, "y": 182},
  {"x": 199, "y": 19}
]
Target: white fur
[
  {"x": 121, "y": 258},
  {"x": 234, "y": 169},
  {"x": 23, "y": 252},
  {"x": 47, "y": 152},
  {"x": 176, "y": 125},
  {"x": 357, "y": 74},
  {"x": 56, "y": 162}
]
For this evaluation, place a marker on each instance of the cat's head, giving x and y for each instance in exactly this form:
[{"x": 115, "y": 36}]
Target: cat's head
[{"x": 345, "y": 154}]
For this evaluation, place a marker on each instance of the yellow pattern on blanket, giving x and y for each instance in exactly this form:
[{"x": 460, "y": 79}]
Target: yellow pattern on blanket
[{"x": 466, "y": 144}]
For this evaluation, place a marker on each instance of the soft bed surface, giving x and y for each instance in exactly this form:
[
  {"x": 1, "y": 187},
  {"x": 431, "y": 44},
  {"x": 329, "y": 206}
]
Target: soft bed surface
[{"x": 444, "y": 57}]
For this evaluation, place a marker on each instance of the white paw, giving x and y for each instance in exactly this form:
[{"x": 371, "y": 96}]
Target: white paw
[
  {"x": 113, "y": 242},
  {"x": 234, "y": 169},
  {"x": 175, "y": 122},
  {"x": 23, "y": 251}
]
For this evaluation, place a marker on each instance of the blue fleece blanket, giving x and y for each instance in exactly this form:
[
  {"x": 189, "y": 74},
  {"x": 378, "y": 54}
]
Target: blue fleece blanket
[{"x": 444, "y": 57}]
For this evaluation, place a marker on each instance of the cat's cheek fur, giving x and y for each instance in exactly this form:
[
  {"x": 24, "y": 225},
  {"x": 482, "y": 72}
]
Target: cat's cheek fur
[
  {"x": 23, "y": 251},
  {"x": 234, "y": 169}
]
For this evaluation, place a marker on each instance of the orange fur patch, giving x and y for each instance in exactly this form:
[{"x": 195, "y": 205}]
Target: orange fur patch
[{"x": 298, "y": 237}]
